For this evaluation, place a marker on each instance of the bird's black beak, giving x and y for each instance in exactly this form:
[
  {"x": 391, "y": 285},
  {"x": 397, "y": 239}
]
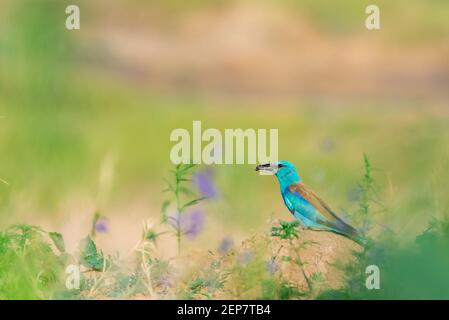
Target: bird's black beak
[{"x": 263, "y": 167}]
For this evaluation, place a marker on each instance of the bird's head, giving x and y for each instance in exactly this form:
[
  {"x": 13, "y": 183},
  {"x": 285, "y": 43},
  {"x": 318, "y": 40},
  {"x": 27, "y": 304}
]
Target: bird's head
[{"x": 285, "y": 172}]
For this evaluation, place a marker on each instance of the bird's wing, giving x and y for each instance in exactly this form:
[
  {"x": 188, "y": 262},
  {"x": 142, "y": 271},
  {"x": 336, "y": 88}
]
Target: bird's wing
[
  {"x": 315, "y": 201},
  {"x": 323, "y": 213}
]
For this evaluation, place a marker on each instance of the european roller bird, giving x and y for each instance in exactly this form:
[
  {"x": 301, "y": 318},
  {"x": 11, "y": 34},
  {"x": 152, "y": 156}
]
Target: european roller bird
[{"x": 305, "y": 205}]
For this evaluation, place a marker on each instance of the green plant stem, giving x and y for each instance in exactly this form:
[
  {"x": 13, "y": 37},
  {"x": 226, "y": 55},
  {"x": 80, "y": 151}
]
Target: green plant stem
[
  {"x": 94, "y": 223},
  {"x": 178, "y": 222},
  {"x": 178, "y": 236}
]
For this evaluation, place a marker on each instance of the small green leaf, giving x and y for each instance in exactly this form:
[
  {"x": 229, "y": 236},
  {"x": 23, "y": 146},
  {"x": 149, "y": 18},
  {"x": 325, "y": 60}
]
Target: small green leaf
[
  {"x": 90, "y": 257},
  {"x": 58, "y": 240},
  {"x": 197, "y": 284},
  {"x": 186, "y": 191},
  {"x": 186, "y": 168},
  {"x": 287, "y": 230},
  {"x": 193, "y": 202},
  {"x": 164, "y": 208},
  {"x": 170, "y": 187}
]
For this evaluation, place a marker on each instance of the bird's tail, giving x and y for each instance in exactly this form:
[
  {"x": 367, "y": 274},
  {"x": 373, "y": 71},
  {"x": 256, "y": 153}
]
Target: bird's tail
[{"x": 350, "y": 232}]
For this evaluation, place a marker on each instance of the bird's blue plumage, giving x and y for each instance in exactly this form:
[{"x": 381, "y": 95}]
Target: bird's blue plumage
[{"x": 305, "y": 205}]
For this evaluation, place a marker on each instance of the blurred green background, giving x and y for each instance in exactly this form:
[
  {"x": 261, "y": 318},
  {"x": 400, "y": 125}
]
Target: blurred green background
[{"x": 73, "y": 101}]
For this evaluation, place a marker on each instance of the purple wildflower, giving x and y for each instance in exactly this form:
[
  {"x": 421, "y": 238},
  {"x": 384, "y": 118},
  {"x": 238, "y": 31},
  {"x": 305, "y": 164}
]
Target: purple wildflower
[
  {"x": 225, "y": 245},
  {"x": 101, "y": 225},
  {"x": 272, "y": 266},
  {"x": 203, "y": 180},
  {"x": 191, "y": 223}
]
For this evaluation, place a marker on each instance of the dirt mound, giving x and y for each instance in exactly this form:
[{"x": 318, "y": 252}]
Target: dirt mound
[{"x": 266, "y": 266}]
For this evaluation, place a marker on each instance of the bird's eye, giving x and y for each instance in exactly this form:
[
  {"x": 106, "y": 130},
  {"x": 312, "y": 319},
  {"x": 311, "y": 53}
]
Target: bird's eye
[{"x": 280, "y": 165}]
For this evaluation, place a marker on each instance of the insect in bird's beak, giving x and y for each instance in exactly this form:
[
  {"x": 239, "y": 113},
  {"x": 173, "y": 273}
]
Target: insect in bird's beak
[
  {"x": 267, "y": 169},
  {"x": 263, "y": 167}
]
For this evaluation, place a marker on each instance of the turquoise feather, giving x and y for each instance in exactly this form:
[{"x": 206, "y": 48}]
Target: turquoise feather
[{"x": 305, "y": 205}]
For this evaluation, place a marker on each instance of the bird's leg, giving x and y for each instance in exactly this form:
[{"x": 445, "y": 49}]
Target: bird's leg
[{"x": 302, "y": 225}]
